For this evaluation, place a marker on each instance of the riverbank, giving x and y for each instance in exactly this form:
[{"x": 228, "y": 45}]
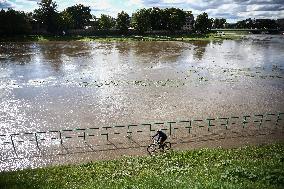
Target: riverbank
[
  {"x": 191, "y": 37},
  {"x": 247, "y": 167}
]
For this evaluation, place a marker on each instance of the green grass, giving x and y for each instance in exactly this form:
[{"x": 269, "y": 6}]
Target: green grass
[
  {"x": 185, "y": 38},
  {"x": 248, "y": 167}
]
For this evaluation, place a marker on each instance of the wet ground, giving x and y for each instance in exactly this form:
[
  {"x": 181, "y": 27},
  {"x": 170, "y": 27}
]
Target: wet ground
[{"x": 67, "y": 85}]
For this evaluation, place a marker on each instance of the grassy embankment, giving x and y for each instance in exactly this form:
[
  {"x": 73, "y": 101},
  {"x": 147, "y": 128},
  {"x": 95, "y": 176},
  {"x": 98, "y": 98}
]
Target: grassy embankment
[
  {"x": 248, "y": 167},
  {"x": 193, "y": 37}
]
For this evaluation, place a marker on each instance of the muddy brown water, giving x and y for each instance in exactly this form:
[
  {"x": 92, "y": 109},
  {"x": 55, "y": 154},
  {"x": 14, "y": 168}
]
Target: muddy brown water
[{"x": 66, "y": 85}]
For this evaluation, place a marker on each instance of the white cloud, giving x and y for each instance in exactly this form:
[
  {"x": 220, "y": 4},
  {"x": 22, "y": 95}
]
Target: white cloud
[
  {"x": 262, "y": 14},
  {"x": 138, "y": 3}
]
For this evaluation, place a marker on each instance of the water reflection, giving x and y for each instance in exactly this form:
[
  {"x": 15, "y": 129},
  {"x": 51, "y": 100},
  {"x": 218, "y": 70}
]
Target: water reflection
[
  {"x": 200, "y": 49},
  {"x": 17, "y": 53},
  {"x": 124, "y": 48},
  {"x": 58, "y": 53}
]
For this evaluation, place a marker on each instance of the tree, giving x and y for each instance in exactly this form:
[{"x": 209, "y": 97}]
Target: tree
[
  {"x": 156, "y": 19},
  {"x": 123, "y": 22},
  {"x": 14, "y": 22},
  {"x": 95, "y": 23},
  {"x": 141, "y": 20},
  {"x": 165, "y": 19},
  {"x": 219, "y": 23},
  {"x": 176, "y": 18},
  {"x": 78, "y": 16},
  {"x": 171, "y": 19},
  {"x": 47, "y": 15},
  {"x": 66, "y": 21},
  {"x": 203, "y": 24},
  {"x": 106, "y": 22},
  {"x": 231, "y": 25},
  {"x": 245, "y": 24},
  {"x": 265, "y": 24}
]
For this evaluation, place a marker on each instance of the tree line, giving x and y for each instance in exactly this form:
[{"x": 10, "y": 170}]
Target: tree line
[
  {"x": 257, "y": 24},
  {"x": 47, "y": 18}
]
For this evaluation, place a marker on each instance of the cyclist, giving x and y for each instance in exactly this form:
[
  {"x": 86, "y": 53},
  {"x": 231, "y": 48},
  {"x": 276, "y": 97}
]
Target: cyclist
[{"x": 161, "y": 138}]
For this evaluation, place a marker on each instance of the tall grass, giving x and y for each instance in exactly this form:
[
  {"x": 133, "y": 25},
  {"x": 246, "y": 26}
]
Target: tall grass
[{"x": 248, "y": 167}]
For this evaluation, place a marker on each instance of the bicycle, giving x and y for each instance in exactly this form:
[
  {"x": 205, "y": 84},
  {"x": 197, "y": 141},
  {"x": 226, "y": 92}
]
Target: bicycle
[{"x": 155, "y": 148}]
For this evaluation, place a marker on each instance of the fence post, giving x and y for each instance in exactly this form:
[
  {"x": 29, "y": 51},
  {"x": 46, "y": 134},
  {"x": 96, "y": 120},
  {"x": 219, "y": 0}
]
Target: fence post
[
  {"x": 13, "y": 144},
  {"x": 209, "y": 123},
  {"x": 60, "y": 136},
  {"x": 278, "y": 118},
  {"x": 245, "y": 120},
  {"x": 36, "y": 141},
  {"x": 227, "y": 122},
  {"x": 170, "y": 122},
  {"x": 260, "y": 121}
]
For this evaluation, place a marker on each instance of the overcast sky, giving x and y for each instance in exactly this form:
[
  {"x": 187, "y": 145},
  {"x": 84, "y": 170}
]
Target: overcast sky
[{"x": 232, "y": 10}]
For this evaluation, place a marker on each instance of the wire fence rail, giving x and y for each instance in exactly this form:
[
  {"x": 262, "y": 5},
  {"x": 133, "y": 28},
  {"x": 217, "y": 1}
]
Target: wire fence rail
[{"x": 80, "y": 140}]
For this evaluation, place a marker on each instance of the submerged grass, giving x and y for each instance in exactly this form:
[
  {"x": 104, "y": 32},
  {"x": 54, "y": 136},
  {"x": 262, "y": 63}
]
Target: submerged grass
[
  {"x": 247, "y": 167},
  {"x": 189, "y": 37}
]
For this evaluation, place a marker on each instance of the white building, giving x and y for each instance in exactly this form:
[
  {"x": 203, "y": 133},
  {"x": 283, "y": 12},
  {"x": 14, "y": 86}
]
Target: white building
[{"x": 189, "y": 21}]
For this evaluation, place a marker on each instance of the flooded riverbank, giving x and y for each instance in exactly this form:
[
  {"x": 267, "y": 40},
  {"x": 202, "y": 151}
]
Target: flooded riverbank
[
  {"x": 68, "y": 85},
  {"x": 80, "y": 84}
]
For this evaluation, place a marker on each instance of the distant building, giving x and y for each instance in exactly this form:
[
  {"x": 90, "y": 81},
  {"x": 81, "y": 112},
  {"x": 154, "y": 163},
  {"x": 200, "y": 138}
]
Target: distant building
[
  {"x": 280, "y": 22},
  {"x": 189, "y": 21}
]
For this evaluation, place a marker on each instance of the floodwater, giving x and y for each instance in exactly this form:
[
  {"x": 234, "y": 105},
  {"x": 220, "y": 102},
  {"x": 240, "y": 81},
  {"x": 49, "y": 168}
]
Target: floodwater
[{"x": 66, "y": 85}]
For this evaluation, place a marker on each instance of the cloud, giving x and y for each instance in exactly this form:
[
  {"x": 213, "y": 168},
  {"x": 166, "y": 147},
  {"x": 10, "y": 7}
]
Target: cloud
[
  {"x": 6, "y": 4},
  {"x": 259, "y": 2},
  {"x": 275, "y": 7},
  {"x": 262, "y": 14}
]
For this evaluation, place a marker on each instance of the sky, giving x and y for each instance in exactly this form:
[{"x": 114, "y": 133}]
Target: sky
[{"x": 232, "y": 10}]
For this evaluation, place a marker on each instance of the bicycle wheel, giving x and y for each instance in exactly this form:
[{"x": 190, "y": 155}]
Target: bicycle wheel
[
  {"x": 152, "y": 149},
  {"x": 167, "y": 146}
]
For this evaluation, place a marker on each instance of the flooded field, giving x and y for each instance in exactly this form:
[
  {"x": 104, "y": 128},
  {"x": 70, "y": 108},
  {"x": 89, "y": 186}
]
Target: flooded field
[{"x": 68, "y": 85}]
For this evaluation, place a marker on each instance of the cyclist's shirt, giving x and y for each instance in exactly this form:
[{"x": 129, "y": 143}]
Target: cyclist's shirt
[{"x": 161, "y": 136}]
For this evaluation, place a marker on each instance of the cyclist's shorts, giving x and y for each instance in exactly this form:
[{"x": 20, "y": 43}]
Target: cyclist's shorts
[{"x": 163, "y": 139}]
